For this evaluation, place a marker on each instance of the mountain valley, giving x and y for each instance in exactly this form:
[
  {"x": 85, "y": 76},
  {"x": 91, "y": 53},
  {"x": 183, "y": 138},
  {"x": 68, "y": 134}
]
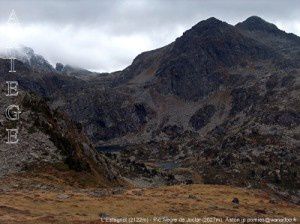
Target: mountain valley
[{"x": 216, "y": 110}]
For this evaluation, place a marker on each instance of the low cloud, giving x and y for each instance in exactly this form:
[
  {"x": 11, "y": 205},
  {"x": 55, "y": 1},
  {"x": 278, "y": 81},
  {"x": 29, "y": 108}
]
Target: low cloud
[{"x": 107, "y": 35}]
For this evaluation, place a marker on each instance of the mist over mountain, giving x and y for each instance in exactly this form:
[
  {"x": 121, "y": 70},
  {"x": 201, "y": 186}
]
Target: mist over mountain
[{"x": 27, "y": 56}]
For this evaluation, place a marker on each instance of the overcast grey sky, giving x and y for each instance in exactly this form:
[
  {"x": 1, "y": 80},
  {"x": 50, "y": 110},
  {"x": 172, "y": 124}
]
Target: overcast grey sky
[{"x": 106, "y": 35}]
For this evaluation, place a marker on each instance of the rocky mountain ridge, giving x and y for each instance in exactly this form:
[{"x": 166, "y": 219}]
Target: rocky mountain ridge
[{"x": 218, "y": 105}]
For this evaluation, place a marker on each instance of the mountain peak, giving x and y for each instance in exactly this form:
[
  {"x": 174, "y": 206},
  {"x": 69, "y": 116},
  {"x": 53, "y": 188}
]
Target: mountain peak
[
  {"x": 210, "y": 27},
  {"x": 212, "y": 20},
  {"x": 209, "y": 23},
  {"x": 256, "y": 23}
]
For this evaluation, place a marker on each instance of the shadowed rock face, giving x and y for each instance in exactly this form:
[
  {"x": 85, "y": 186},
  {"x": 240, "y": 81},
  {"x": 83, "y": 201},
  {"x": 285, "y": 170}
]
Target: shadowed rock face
[
  {"x": 221, "y": 101},
  {"x": 197, "y": 63},
  {"x": 283, "y": 118},
  {"x": 202, "y": 117},
  {"x": 243, "y": 99}
]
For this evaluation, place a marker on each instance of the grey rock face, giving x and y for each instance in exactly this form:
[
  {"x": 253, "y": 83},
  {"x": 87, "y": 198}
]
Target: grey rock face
[
  {"x": 202, "y": 117},
  {"x": 243, "y": 98},
  {"x": 34, "y": 146},
  {"x": 59, "y": 67},
  {"x": 283, "y": 118}
]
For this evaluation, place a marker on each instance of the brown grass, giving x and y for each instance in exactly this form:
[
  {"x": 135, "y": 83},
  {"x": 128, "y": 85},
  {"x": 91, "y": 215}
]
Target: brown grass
[{"x": 37, "y": 206}]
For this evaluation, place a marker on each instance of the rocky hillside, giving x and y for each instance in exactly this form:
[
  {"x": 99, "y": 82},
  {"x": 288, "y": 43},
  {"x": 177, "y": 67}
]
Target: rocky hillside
[
  {"x": 48, "y": 138},
  {"x": 218, "y": 105}
]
